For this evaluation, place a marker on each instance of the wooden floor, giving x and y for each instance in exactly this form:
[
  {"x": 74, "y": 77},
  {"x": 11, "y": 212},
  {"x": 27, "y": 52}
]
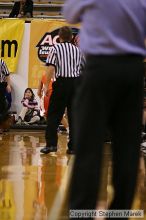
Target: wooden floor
[{"x": 34, "y": 186}]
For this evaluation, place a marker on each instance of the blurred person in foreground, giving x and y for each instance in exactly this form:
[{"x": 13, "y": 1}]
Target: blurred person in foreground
[{"x": 112, "y": 94}]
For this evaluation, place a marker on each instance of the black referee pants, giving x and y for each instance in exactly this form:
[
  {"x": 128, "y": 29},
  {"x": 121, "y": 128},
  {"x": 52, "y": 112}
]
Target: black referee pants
[
  {"x": 3, "y": 102},
  {"x": 61, "y": 98},
  {"x": 111, "y": 95}
]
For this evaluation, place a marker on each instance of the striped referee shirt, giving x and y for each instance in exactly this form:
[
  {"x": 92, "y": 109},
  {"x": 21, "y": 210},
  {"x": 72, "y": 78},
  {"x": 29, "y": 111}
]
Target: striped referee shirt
[
  {"x": 67, "y": 59},
  {"x": 4, "y": 72}
]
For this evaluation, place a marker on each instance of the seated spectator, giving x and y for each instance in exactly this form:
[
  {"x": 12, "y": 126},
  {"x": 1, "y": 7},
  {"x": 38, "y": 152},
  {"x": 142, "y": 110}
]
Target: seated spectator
[
  {"x": 22, "y": 9},
  {"x": 30, "y": 113}
]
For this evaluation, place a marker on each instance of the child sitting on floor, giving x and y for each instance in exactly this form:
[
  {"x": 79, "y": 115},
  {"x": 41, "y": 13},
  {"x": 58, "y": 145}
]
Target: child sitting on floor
[{"x": 30, "y": 113}]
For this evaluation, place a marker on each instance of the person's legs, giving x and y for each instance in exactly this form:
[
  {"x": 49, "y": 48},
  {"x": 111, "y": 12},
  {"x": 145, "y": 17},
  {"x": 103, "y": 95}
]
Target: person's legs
[
  {"x": 127, "y": 124},
  {"x": 55, "y": 114},
  {"x": 5, "y": 119},
  {"x": 34, "y": 119},
  {"x": 23, "y": 112},
  {"x": 89, "y": 129},
  {"x": 97, "y": 103},
  {"x": 22, "y": 115},
  {"x": 73, "y": 85}
]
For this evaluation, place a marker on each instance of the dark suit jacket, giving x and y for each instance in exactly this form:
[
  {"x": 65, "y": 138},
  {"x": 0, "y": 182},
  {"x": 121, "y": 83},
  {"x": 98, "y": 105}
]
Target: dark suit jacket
[{"x": 28, "y": 8}]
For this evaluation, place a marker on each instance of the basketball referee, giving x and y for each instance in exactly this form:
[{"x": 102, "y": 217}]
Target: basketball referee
[{"x": 64, "y": 63}]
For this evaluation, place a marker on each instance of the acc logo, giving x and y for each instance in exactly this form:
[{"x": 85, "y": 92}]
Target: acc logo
[{"x": 50, "y": 39}]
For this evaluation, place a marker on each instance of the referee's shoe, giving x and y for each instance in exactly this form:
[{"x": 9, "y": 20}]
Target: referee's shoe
[
  {"x": 52, "y": 149},
  {"x": 47, "y": 150}
]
